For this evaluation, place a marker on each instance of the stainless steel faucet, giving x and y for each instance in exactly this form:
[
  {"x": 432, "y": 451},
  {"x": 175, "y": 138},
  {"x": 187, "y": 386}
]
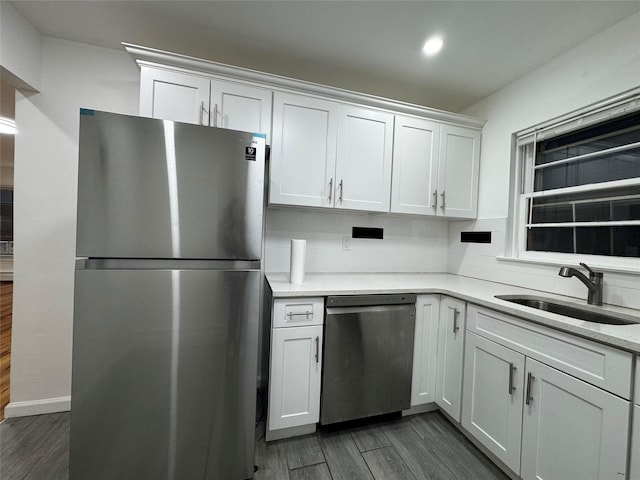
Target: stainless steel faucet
[{"x": 593, "y": 283}]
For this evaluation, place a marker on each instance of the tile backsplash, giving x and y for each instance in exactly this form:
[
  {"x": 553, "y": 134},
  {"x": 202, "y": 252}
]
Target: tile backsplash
[
  {"x": 479, "y": 261},
  {"x": 409, "y": 244},
  {"x": 414, "y": 244}
]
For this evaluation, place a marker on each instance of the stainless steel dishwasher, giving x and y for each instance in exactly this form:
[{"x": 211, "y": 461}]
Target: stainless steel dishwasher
[{"x": 368, "y": 356}]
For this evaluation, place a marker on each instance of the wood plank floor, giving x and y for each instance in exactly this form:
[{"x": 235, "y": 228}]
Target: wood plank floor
[
  {"x": 35, "y": 448},
  {"x": 424, "y": 446},
  {"x": 6, "y": 308},
  {"x": 418, "y": 447}
]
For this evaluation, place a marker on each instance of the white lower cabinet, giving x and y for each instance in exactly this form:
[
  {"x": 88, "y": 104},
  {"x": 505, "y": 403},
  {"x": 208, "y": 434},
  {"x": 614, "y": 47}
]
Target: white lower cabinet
[
  {"x": 634, "y": 473},
  {"x": 296, "y": 363},
  {"x": 493, "y": 396},
  {"x": 570, "y": 429},
  {"x": 541, "y": 422},
  {"x": 425, "y": 350},
  {"x": 451, "y": 333},
  {"x": 294, "y": 397}
]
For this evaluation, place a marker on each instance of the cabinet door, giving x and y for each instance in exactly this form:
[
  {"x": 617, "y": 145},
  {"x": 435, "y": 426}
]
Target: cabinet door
[
  {"x": 634, "y": 472},
  {"x": 492, "y": 397},
  {"x": 458, "y": 171},
  {"x": 177, "y": 96},
  {"x": 294, "y": 382},
  {"x": 363, "y": 166},
  {"x": 425, "y": 350},
  {"x": 303, "y": 151},
  {"x": 241, "y": 107},
  {"x": 450, "y": 353},
  {"x": 415, "y": 166},
  {"x": 571, "y": 430}
]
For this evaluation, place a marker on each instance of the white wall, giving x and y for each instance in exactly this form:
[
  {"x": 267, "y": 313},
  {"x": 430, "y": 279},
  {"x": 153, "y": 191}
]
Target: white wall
[
  {"x": 410, "y": 244},
  {"x": 603, "y": 66},
  {"x": 20, "y": 47},
  {"x": 46, "y": 155}
]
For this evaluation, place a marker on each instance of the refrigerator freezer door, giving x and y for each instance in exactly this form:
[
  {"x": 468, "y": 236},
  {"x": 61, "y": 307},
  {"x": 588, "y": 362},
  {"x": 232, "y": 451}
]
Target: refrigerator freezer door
[
  {"x": 151, "y": 188},
  {"x": 164, "y": 374}
]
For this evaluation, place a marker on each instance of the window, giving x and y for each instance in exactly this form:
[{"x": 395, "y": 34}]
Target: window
[{"x": 579, "y": 185}]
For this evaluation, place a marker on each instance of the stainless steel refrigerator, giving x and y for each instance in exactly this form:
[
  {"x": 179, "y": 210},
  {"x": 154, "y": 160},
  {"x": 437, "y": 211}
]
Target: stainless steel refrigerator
[{"x": 167, "y": 300}]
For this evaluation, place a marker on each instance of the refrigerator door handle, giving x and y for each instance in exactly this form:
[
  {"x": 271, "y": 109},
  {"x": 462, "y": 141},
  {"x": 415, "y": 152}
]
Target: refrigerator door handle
[{"x": 164, "y": 264}]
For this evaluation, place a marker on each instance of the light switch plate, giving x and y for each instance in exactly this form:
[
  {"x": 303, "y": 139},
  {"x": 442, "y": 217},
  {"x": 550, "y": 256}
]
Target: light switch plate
[{"x": 346, "y": 243}]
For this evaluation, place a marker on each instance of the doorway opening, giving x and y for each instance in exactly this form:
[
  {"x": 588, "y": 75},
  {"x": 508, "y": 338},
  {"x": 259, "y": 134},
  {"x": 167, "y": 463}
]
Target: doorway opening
[{"x": 7, "y": 111}]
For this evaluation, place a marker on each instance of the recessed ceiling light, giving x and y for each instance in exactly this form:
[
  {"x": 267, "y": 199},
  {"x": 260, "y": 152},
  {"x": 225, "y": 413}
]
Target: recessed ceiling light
[
  {"x": 432, "y": 46},
  {"x": 7, "y": 126}
]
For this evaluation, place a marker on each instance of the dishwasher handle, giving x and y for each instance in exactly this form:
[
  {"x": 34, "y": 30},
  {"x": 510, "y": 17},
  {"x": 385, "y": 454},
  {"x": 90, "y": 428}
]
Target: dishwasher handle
[{"x": 370, "y": 310}]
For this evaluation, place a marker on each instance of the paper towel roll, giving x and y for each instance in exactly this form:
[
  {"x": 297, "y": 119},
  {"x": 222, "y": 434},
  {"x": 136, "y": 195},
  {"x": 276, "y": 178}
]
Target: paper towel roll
[{"x": 296, "y": 269}]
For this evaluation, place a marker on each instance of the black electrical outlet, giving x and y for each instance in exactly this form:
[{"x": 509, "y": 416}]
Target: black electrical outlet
[
  {"x": 367, "y": 232},
  {"x": 475, "y": 237}
]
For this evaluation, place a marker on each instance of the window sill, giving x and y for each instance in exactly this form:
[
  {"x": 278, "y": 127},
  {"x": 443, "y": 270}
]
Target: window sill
[{"x": 560, "y": 263}]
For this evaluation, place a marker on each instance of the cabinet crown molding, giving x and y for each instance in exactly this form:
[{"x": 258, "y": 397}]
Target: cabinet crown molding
[{"x": 145, "y": 55}]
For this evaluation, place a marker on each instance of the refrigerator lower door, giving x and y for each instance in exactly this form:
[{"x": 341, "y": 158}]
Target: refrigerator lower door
[{"x": 164, "y": 374}]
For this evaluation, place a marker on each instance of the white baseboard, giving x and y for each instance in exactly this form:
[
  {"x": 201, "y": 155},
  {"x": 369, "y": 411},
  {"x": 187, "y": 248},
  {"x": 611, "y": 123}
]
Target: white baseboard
[{"x": 37, "y": 407}]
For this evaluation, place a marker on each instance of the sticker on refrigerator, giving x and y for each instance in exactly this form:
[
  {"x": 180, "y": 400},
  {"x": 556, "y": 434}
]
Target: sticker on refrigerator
[{"x": 250, "y": 153}]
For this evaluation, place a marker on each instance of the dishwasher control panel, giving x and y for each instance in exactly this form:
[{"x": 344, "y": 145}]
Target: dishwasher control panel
[{"x": 370, "y": 300}]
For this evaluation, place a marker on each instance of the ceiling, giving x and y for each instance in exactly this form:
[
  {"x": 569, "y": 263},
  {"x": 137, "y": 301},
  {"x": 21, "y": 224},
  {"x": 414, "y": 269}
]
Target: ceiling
[{"x": 367, "y": 46}]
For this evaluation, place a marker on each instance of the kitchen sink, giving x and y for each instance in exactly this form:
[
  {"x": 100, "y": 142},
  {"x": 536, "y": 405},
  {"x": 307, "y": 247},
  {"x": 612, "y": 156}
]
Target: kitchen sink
[{"x": 589, "y": 314}]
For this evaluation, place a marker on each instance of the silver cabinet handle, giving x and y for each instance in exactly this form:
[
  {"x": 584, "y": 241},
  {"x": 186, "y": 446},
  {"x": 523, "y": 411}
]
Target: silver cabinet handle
[
  {"x": 442, "y": 206},
  {"x": 305, "y": 314},
  {"x": 203, "y": 112},
  {"x": 530, "y": 379},
  {"x": 330, "y": 189},
  {"x": 456, "y": 312},
  {"x": 317, "y": 349},
  {"x": 341, "y": 186},
  {"x": 215, "y": 114},
  {"x": 512, "y": 369},
  {"x": 435, "y": 199}
]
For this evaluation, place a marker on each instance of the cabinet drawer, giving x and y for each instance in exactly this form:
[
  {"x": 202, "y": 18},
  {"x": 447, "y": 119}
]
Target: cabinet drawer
[
  {"x": 600, "y": 365},
  {"x": 295, "y": 312}
]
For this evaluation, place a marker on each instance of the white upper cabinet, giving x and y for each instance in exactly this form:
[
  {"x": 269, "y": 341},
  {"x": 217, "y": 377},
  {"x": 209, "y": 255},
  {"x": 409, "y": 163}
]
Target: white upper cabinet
[
  {"x": 415, "y": 166},
  {"x": 435, "y": 168},
  {"x": 330, "y": 148},
  {"x": 185, "y": 97},
  {"x": 172, "y": 95},
  {"x": 303, "y": 151},
  {"x": 458, "y": 171},
  {"x": 325, "y": 154},
  {"x": 241, "y": 107},
  {"x": 363, "y": 165}
]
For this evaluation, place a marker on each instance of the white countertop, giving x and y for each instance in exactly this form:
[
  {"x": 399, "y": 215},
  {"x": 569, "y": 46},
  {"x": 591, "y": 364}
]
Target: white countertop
[{"x": 472, "y": 290}]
